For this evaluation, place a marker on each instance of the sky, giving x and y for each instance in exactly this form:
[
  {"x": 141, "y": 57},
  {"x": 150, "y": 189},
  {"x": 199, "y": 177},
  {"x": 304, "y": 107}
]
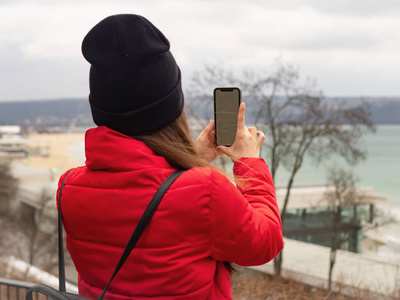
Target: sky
[{"x": 350, "y": 47}]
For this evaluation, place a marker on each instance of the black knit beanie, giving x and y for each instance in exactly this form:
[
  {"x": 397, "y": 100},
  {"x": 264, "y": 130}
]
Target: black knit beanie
[{"x": 135, "y": 83}]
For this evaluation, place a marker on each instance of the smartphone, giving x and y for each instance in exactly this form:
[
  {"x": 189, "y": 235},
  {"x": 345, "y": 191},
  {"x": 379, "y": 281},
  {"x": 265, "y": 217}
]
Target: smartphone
[{"x": 226, "y": 109}]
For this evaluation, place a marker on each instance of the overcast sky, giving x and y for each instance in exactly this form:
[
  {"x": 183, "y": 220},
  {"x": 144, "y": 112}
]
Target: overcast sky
[{"x": 350, "y": 47}]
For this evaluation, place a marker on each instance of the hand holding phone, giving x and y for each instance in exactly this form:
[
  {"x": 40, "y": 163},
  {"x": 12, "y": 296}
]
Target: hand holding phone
[
  {"x": 205, "y": 143},
  {"x": 248, "y": 141}
]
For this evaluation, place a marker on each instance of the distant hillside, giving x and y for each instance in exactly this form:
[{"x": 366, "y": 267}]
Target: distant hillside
[
  {"x": 66, "y": 112},
  {"x": 39, "y": 114},
  {"x": 385, "y": 110}
]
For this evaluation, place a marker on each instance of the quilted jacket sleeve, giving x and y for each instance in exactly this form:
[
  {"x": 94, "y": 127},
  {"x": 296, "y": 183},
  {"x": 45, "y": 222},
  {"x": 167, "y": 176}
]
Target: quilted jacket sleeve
[{"x": 246, "y": 228}]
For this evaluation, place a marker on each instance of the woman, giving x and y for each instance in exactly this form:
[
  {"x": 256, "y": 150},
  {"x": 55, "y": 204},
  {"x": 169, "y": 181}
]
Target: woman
[{"x": 142, "y": 137}]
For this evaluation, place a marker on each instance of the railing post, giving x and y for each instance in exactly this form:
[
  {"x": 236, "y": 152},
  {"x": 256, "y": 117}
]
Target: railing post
[{"x": 9, "y": 286}]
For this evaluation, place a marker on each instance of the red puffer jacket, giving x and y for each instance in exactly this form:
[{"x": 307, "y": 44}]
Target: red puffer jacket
[{"x": 202, "y": 220}]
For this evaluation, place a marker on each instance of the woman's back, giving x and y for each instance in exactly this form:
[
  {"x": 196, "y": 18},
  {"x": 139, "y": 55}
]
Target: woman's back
[{"x": 201, "y": 220}]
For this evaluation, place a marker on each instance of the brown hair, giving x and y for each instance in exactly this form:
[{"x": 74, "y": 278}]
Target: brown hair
[{"x": 174, "y": 143}]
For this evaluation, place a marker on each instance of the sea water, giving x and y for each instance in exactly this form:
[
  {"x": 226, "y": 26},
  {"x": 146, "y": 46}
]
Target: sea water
[{"x": 380, "y": 170}]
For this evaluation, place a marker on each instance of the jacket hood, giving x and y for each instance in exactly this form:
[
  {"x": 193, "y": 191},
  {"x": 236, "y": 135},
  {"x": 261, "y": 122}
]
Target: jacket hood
[{"x": 109, "y": 149}]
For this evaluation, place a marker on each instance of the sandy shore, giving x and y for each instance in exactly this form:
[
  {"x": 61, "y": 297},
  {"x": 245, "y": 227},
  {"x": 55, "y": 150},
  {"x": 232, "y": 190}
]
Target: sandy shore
[{"x": 56, "y": 146}]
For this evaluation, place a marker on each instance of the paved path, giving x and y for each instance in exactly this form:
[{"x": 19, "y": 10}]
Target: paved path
[{"x": 309, "y": 263}]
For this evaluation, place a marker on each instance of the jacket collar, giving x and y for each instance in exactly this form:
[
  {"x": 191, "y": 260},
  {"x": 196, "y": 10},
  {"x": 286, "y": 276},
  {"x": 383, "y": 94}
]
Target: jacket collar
[{"x": 112, "y": 150}]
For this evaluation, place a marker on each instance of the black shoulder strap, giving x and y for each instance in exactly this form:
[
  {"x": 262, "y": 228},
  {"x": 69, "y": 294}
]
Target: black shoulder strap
[
  {"x": 61, "y": 264},
  {"x": 150, "y": 210}
]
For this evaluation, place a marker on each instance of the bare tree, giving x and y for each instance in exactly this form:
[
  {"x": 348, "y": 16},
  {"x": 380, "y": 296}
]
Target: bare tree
[
  {"x": 296, "y": 118},
  {"x": 341, "y": 194},
  {"x": 8, "y": 187},
  {"x": 40, "y": 247}
]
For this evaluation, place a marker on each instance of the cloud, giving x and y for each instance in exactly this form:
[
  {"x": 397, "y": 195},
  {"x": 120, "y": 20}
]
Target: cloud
[
  {"x": 306, "y": 30},
  {"x": 364, "y": 8},
  {"x": 40, "y": 40},
  {"x": 40, "y": 78}
]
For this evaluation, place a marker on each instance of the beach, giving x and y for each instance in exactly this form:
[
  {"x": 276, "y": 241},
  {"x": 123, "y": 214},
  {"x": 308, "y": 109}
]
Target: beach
[{"x": 61, "y": 150}]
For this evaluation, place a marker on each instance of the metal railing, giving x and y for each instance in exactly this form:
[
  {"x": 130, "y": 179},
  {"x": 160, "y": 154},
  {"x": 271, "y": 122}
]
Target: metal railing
[{"x": 16, "y": 290}]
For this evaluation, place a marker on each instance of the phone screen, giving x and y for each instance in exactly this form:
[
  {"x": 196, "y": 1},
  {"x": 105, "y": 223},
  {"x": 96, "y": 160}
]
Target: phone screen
[{"x": 226, "y": 108}]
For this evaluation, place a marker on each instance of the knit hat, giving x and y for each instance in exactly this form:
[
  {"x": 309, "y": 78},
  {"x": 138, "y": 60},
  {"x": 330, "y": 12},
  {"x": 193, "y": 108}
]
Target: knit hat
[{"x": 135, "y": 83}]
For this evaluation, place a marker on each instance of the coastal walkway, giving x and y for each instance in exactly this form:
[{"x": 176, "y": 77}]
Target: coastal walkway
[{"x": 352, "y": 273}]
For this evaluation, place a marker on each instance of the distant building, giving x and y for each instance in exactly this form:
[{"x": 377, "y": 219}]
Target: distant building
[
  {"x": 12, "y": 143},
  {"x": 10, "y": 130},
  {"x": 309, "y": 219}
]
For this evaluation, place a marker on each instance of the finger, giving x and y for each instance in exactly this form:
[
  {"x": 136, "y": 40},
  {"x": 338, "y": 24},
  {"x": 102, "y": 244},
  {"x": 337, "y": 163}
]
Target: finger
[
  {"x": 211, "y": 133},
  {"x": 261, "y": 138},
  {"x": 207, "y": 130},
  {"x": 253, "y": 131},
  {"x": 241, "y": 120}
]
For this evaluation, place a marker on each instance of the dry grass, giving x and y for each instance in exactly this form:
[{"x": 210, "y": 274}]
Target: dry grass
[{"x": 249, "y": 284}]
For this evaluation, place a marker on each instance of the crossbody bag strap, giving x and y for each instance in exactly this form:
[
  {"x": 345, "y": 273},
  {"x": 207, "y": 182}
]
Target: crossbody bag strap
[
  {"x": 150, "y": 210},
  {"x": 61, "y": 263}
]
